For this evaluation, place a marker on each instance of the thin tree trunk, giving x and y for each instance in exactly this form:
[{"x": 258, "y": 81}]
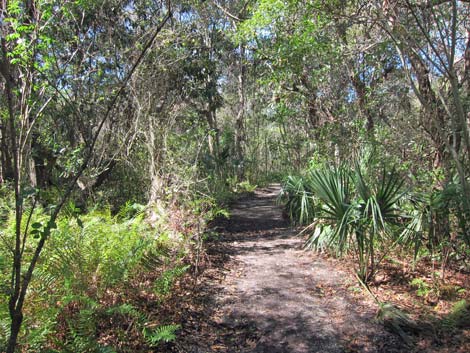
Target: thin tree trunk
[
  {"x": 213, "y": 138},
  {"x": 15, "y": 304},
  {"x": 361, "y": 92},
  {"x": 240, "y": 120}
]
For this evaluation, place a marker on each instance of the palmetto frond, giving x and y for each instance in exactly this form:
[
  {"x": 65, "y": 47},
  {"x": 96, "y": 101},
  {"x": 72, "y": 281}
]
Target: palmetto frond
[
  {"x": 352, "y": 207},
  {"x": 298, "y": 196}
]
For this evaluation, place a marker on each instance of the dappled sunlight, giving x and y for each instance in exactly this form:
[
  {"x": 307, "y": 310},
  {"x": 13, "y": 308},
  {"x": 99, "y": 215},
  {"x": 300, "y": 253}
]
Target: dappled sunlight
[{"x": 279, "y": 298}]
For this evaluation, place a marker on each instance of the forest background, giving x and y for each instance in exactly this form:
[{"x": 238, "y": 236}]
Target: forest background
[{"x": 127, "y": 126}]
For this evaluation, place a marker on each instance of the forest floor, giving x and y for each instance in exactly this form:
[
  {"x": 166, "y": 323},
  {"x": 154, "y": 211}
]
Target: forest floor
[{"x": 261, "y": 291}]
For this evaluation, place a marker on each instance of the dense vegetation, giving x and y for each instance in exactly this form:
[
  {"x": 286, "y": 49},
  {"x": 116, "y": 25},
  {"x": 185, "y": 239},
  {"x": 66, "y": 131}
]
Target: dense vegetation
[{"x": 126, "y": 126}]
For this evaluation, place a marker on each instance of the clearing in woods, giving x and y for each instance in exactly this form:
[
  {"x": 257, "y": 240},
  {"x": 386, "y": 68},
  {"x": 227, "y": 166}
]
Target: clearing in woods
[{"x": 273, "y": 296}]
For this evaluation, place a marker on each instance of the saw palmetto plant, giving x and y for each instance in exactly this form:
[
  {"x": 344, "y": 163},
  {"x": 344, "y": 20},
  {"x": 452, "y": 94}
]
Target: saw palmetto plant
[{"x": 352, "y": 211}]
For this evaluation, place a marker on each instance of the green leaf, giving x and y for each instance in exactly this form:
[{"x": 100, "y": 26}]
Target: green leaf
[
  {"x": 52, "y": 225},
  {"x": 36, "y": 225}
]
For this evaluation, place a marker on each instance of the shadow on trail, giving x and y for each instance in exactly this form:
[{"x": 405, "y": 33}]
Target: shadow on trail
[
  {"x": 268, "y": 295},
  {"x": 251, "y": 216},
  {"x": 297, "y": 338}
]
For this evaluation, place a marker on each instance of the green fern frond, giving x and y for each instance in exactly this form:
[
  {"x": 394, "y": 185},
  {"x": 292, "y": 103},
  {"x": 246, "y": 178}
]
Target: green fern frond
[
  {"x": 127, "y": 310},
  {"x": 154, "y": 258},
  {"x": 164, "y": 333},
  {"x": 163, "y": 285}
]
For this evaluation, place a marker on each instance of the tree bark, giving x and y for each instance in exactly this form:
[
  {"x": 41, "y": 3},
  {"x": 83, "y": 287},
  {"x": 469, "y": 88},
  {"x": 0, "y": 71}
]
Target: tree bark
[
  {"x": 240, "y": 120},
  {"x": 361, "y": 92}
]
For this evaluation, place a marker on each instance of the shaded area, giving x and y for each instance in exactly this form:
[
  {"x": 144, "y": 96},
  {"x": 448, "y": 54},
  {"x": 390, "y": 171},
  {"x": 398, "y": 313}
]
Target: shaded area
[{"x": 275, "y": 297}]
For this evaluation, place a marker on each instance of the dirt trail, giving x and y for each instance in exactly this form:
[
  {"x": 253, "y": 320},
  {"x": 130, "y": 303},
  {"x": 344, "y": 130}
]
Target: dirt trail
[{"x": 275, "y": 297}]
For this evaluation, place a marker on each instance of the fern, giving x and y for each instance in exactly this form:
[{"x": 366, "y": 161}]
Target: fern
[
  {"x": 44, "y": 281},
  {"x": 130, "y": 210},
  {"x": 153, "y": 337},
  {"x": 81, "y": 261},
  {"x": 164, "y": 333},
  {"x": 155, "y": 257},
  {"x": 163, "y": 285},
  {"x": 83, "y": 328},
  {"x": 127, "y": 310}
]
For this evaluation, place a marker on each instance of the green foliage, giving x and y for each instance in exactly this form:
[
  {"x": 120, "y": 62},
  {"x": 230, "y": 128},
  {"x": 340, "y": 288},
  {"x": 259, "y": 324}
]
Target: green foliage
[
  {"x": 164, "y": 333},
  {"x": 130, "y": 210},
  {"x": 347, "y": 208},
  {"x": 459, "y": 316},
  {"x": 97, "y": 252},
  {"x": 365, "y": 208},
  {"x": 312, "y": 75},
  {"x": 152, "y": 336},
  {"x": 126, "y": 310},
  {"x": 428, "y": 211},
  {"x": 82, "y": 326},
  {"x": 209, "y": 208},
  {"x": 87, "y": 255},
  {"x": 298, "y": 196},
  {"x": 245, "y": 187},
  {"x": 422, "y": 288},
  {"x": 163, "y": 285}
]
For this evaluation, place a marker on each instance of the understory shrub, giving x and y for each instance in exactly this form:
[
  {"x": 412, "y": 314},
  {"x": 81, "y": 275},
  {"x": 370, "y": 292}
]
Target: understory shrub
[
  {"x": 347, "y": 209},
  {"x": 366, "y": 209},
  {"x": 88, "y": 261}
]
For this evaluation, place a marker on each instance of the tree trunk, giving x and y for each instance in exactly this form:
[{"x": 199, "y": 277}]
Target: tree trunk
[
  {"x": 5, "y": 158},
  {"x": 154, "y": 150},
  {"x": 240, "y": 120},
  {"x": 361, "y": 92},
  {"x": 213, "y": 138},
  {"x": 16, "y": 321}
]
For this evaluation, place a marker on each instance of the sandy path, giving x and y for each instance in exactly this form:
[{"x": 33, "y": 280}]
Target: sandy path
[{"x": 278, "y": 298}]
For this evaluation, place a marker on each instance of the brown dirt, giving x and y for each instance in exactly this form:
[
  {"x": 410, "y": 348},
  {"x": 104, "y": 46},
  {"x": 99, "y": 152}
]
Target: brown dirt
[{"x": 264, "y": 293}]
